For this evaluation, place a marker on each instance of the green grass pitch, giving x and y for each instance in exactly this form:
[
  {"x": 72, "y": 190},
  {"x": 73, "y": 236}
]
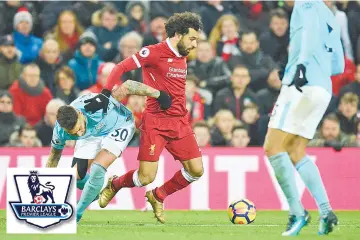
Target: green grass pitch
[{"x": 188, "y": 225}]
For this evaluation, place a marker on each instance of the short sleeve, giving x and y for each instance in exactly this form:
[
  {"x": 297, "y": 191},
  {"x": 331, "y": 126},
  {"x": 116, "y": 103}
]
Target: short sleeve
[
  {"x": 146, "y": 56},
  {"x": 58, "y": 141}
]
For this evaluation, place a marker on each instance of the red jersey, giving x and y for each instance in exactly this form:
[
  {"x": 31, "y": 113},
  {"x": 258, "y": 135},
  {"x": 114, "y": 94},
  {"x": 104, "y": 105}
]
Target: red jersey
[{"x": 163, "y": 68}]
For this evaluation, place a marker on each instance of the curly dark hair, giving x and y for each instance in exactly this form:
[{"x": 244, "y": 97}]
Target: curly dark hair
[
  {"x": 67, "y": 117},
  {"x": 181, "y": 22}
]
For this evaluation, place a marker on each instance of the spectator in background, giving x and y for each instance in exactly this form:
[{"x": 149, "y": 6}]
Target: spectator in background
[
  {"x": 213, "y": 73},
  {"x": 108, "y": 26},
  {"x": 237, "y": 96},
  {"x": 10, "y": 67},
  {"x": 225, "y": 36},
  {"x": 157, "y": 31},
  {"x": 50, "y": 11},
  {"x": 198, "y": 101},
  {"x": 330, "y": 135},
  {"x": 169, "y": 8},
  {"x": 27, "y": 44},
  {"x": 85, "y": 62},
  {"x": 25, "y": 137},
  {"x": 8, "y": 9},
  {"x": 353, "y": 87},
  {"x": 9, "y": 122},
  {"x": 67, "y": 33},
  {"x": 342, "y": 20},
  {"x": 240, "y": 137},
  {"x": 250, "y": 116},
  {"x": 274, "y": 42},
  {"x": 30, "y": 95},
  {"x": 65, "y": 85},
  {"x": 210, "y": 12},
  {"x": 85, "y": 9},
  {"x": 202, "y": 133},
  {"x": 252, "y": 15},
  {"x": 354, "y": 29},
  {"x": 267, "y": 97},
  {"x": 44, "y": 128},
  {"x": 344, "y": 5},
  {"x": 224, "y": 122},
  {"x": 347, "y": 113},
  {"x": 135, "y": 11},
  {"x": 120, "y": 5},
  {"x": 129, "y": 44},
  {"x": 340, "y": 80},
  {"x": 358, "y": 50},
  {"x": 286, "y": 5},
  {"x": 259, "y": 64},
  {"x": 103, "y": 72},
  {"x": 49, "y": 62}
]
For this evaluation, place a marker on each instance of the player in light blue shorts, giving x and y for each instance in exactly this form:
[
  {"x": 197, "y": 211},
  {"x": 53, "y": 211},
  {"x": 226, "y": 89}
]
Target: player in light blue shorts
[
  {"x": 315, "y": 54},
  {"x": 101, "y": 136}
]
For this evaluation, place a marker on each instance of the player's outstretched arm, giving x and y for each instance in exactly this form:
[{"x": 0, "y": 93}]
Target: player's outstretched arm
[
  {"x": 54, "y": 158},
  {"x": 131, "y": 87},
  {"x": 101, "y": 101}
]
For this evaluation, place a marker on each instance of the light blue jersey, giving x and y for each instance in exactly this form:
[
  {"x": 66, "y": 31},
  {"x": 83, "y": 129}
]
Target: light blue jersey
[
  {"x": 97, "y": 124},
  {"x": 315, "y": 43}
]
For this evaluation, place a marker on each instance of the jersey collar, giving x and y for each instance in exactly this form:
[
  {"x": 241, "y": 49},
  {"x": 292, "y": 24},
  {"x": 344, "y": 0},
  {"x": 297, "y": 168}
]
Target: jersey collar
[{"x": 172, "y": 49}]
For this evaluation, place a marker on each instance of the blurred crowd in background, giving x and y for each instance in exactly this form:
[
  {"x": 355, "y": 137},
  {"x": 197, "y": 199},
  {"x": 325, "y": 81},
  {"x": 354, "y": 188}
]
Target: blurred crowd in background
[{"x": 53, "y": 51}]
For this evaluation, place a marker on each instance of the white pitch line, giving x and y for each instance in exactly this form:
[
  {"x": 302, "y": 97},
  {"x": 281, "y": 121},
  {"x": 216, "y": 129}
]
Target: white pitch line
[
  {"x": 174, "y": 225},
  {"x": 194, "y": 225}
]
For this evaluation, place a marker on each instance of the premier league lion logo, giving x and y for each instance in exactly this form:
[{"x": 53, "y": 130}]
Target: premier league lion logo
[
  {"x": 39, "y": 201},
  {"x": 37, "y": 189}
]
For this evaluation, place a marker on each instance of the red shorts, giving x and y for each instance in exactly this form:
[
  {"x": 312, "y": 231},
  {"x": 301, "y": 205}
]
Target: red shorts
[{"x": 173, "y": 133}]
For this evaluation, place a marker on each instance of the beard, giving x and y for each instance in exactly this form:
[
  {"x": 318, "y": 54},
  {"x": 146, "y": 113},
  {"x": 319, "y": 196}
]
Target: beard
[{"x": 182, "y": 49}]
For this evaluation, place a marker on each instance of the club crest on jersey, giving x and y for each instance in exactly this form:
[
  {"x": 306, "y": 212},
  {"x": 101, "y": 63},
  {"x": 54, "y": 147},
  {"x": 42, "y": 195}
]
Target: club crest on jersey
[
  {"x": 144, "y": 52},
  {"x": 152, "y": 149},
  {"x": 43, "y": 199},
  {"x": 170, "y": 60}
]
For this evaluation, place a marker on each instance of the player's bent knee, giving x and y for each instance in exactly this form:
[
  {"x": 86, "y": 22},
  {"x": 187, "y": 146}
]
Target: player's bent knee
[
  {"x": 146, "y": 179},
  {"x": 197, "y": 172},
  {"x": 194, "y": 167}
]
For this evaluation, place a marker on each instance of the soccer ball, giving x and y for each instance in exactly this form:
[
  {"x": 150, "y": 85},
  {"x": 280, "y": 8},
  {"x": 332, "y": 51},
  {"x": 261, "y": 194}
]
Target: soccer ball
[
  {"x": 242, "y": 212},
  {"x": 38, "y": 199}
]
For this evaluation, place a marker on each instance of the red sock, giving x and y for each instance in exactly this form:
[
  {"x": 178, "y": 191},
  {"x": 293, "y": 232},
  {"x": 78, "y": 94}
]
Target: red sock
[
  {"x": 176, "y": 183},
  {"x": 125, "y": 180}
]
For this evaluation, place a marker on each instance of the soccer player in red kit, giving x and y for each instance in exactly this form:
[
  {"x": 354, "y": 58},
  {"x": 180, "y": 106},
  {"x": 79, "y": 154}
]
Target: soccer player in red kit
[{"x": 164, "y": 68}]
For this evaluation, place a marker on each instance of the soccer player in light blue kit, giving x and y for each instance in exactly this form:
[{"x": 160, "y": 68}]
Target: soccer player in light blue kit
[
  {"x": 101, "y": 136},
  {"x": 315, "y": 54}
]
